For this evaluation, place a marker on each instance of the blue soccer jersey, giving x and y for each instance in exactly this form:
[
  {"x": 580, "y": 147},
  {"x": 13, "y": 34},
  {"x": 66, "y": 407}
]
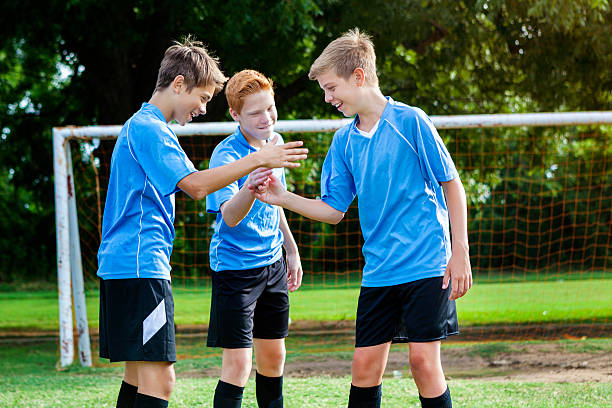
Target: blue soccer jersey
[
  {"x": 396, "y": 175},
  {"x": 138, "y": 223},
  {"x": 257, "y": 240}
]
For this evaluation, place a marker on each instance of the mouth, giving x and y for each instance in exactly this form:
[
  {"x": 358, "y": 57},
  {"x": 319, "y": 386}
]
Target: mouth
[{"x": 338, "y": 105}]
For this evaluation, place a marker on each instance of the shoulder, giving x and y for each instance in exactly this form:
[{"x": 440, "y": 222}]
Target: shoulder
[
  {"x": 228, "y": 148},
  {"x": 142, "y": 122},
  {"x": 405, "y": 116},
  {"x": 343, "y": 132}
]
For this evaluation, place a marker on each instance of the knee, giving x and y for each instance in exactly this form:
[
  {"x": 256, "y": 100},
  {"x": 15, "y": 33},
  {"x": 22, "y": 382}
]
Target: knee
[
  {"x": 237, "y": 368},
  {"x": 271, "y": 363},
  {"x": 366, "y": 369},
  {"x": 167, "y": 383},
  {"x": 420, "y": 364}
]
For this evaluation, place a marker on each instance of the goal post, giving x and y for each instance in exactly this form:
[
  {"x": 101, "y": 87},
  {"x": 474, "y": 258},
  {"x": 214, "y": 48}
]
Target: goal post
[{"x": 69, "y": 263}]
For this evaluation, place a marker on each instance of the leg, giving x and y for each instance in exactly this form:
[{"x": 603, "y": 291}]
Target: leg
[
  {"x": 235, "y": 370},
  {"x": 270, "y": 358},
  {"x": 369, "y": 364},
  {"x": 368, "y": 368},
  {"x": 130, "y": 375},
  {"x": 129, "y": 386},
  {"x": 155, "y": 378},
  {"x": 427, "y": 371},
  {"x": 236, "y": 366}
]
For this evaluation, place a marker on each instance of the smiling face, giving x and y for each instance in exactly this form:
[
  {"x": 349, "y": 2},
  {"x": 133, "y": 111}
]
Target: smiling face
[
  {"x": 257, "y": 117},
  {"x": 342, "y": 93},
  {"x": 190, "y": 104}
]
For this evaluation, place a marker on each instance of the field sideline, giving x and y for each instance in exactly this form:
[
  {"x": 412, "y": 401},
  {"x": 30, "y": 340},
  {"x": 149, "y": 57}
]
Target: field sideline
[{"x": 560, "y": 301}]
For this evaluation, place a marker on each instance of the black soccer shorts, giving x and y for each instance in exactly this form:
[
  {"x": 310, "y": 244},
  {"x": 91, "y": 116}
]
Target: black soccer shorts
[
  {"x": 417, "y": 311},
  {"x": 247, "y": 304},
  {"x": 137, "y": 320}
]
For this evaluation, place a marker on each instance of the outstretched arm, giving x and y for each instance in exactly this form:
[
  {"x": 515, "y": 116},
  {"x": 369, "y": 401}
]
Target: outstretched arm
[
  {"x": 236, "y": 208},
  {"x": 458, "y": 270},
  {"x": 274, "y": 193},
  {"x": 201, "y": 183},
  {"x": 294, "y": 264}
]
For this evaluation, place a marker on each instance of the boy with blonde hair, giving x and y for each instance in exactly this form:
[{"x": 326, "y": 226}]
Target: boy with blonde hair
[
  {"x": 250, "y": 303},
  {"x": 393, "y": 159},
  {"x": 147, "y": 167}
]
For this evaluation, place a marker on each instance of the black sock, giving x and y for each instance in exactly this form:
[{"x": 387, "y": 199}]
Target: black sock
[
  {"x": 147, "y": 401},
  {"x": 227, "y": 395},
  {"x": 443, "y": 401},
  {"x": 127, "y": 395},
  {"x": 365, "y": 397},
  {"x": 269, "y": 391}
]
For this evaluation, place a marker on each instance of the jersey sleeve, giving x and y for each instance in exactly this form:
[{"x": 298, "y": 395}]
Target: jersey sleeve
[
  {"x": 221, "y": 156},
  {"x": 337, "y": 184},
  {"x": 161, "y": 156},
  {"x": 435, "y": 160}
]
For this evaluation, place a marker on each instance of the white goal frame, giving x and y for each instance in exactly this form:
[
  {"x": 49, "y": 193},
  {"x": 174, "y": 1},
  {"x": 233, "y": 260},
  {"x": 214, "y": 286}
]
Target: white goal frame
[{"x": 69, "y": 266}]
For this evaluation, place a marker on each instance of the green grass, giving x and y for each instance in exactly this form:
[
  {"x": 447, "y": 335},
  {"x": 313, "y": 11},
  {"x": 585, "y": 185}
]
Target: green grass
[
  {"x": 30, "y": 379},
  {"x": 565, "y": 301}
]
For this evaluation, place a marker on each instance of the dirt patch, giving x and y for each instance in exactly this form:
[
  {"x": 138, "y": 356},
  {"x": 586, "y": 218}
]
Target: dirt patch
[{"x": 526, "y": 362}]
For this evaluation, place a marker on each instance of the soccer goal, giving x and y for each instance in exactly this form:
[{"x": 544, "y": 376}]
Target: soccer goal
[{"x": 539, "y": 190}]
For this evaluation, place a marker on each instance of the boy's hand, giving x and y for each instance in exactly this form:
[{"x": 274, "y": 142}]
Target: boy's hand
[
  {"x": 257, "y": 178},
  {"x": 459, "y": 272},
  {"x": 285, "y": 155},
  {"x": 270, "y": 191},
  {"x": 294, "y": 272}
]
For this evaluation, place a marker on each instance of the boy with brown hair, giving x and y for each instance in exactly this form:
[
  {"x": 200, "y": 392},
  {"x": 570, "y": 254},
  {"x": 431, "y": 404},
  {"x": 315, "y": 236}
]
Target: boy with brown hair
[
  {"x": 147, "y": 167},
  {"x": 250, "y": 280},
  {"x": 393, "y": 159}
]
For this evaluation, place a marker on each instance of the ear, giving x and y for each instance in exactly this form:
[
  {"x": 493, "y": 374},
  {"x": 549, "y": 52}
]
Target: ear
[
  {"x": 233, "y": 114},
  {"x": 178, "y": 83},
  {"x": 359, "y": 76}
]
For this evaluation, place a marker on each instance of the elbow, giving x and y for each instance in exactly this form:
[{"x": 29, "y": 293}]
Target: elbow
[
  {"x": 199, "y": 193},
  {"x": 231, "y": 223},
  {"x": 336, "y": 218}
]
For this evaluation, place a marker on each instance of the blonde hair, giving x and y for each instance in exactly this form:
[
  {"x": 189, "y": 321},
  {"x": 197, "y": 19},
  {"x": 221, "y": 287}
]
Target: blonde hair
[
  {"x": 354, "y": 49},
  {"x": 243, "y": 84},
  {"x": 190, "y": 59}
]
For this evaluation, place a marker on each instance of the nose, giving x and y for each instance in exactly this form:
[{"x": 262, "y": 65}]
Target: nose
[
  {"x": 267, "y": 118},
  {"x": 203, "y": 109},
  {"x": 328, "y": 98}
]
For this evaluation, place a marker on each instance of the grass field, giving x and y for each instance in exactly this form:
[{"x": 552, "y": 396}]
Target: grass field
[
  {"x": 30, "y": 379},
  {"x": 565, "y": 301}
]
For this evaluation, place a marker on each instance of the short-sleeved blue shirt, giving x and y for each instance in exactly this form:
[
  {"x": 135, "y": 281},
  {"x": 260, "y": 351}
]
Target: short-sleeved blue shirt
[
  {"x": 138, "y": 223},
  {"x": 257, "y": 240},
  {"x": 396, "y": 174}
]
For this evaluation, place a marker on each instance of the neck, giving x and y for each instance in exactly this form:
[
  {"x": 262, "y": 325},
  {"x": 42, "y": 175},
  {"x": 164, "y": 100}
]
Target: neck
[
  {"x": 371, "y": 111},
  {"x": 160, "y": 100},
  {"x": 253, "y": 141}
]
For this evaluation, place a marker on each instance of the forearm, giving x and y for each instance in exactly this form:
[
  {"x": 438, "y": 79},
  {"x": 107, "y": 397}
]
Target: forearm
[
  {"x": 201, "y": 183},
  {"x": 288, "y": 240},
  {"x": 314, "y": 209},
  {"x": 235, "y": 209},
  {"x": 457, "y": 211}
]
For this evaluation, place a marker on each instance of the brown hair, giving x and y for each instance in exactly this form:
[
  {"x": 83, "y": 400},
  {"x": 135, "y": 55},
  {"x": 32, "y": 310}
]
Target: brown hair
[
  {"x": 243, "y": 84},
  {"x": 354, "y": 49},
  {"x": 190, "y": 59}
]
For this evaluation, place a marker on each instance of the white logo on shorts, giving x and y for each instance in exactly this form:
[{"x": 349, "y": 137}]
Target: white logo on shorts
[{"x": 154, "y": 322}]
